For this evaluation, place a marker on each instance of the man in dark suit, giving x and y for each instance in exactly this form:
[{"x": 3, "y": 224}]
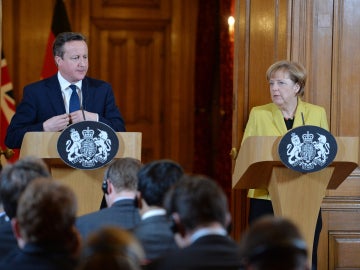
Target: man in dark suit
[
  {"x": 200, "y": 213},
  {"x": 120, "y": 188},
  {"x": 14, "y": 179},
  {"x": 154, "y": 233},
  {"x": 45, "y": 104}
]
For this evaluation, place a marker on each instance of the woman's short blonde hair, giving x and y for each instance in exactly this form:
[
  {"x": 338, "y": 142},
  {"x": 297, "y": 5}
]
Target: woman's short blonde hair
[{"x": 296, "y": 71}]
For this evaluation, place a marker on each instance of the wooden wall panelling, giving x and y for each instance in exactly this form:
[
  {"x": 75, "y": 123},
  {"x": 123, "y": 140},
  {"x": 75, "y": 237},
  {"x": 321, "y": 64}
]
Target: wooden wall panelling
[
  {"x": 344, "y": 241},
  {"x": 240, "y": 83},
  {"x": 141, "y": 9},
  {"x": 261, "y": 39},
  {"x": 344, "y": 103},
  {"x": 340, "y": 210},
  {"x": 267, "y": 45},
  {"x": 317, "y": 41},
  {"x": 311, "y": 45},
  {"x": 346, "y": 68},
  {"x": 79, "y": 16},
  {"x": 323, "y": 39},
  {"x": 319, "y": 57},
  {"x": 179, "y": 141},
  {"x": 344, "y": 250},
  {"x": 25, "y": 36}
]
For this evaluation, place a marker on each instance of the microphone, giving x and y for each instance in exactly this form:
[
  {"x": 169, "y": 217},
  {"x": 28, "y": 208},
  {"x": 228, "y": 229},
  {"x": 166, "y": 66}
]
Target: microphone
[
  {"x": 83, "y": 113},
  {"x": 302, "y": 117},
  {"x": 84, "y": 94}
]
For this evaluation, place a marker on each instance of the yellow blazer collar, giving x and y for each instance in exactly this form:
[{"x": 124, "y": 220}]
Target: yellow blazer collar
[{"x": 279, "y": 118}]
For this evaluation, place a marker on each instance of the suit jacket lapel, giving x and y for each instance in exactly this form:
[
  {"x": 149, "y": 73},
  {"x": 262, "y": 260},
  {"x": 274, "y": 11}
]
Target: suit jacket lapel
[
  {"x": 85, "y": 93},
  {"x": 278, "y": 119},
  {"x": 55, "y": 97}
]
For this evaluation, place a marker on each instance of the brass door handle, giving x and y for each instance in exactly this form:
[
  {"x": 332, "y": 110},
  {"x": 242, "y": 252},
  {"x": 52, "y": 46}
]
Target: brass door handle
[
  {"x": 8, "y": 153},
  {"x": 233, "y": 153}
]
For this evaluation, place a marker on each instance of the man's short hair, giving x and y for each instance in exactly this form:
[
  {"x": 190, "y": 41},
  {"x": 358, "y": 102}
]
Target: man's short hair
[
  {"x": 47, "y": 212},
  {"x": 122, "y": 173},
  {"x": 155, "y": 179},
  {"x": 198, "y": 200},
  {"x": 62, "y": 38},
  {"x": 15, "y": 178}
]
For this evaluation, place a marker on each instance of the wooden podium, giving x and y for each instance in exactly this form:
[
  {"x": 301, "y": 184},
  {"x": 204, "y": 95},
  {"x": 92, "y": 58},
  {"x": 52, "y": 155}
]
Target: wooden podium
[
  {"x": 294, "y": 195},
  {"x": 85, "y": 183}
]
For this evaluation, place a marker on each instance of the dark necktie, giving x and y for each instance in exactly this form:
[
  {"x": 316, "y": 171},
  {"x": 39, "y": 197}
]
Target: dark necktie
[{"x": 74, "y": 103}]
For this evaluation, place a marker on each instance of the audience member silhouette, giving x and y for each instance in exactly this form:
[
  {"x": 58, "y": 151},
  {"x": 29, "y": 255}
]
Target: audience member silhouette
[
  {"x": 111, "y": 248},
  {"x": 200, "y": 214},
  {"x": 153, "y": 231},
  {"x": 120, "y": 188},
  {"x": 14, "y": 179},
  {"x": 273, "y": 243},
  {"x": 45, "y": 228}
]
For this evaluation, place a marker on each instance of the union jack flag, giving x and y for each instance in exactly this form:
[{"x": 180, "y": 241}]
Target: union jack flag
[{"x": 7, "y": 106}]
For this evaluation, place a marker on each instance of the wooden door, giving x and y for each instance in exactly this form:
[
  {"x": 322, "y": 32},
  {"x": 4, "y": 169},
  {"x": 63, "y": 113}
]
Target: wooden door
[
  {"x": 133, "y": 59},
  {"x": 145, "y": 49}
]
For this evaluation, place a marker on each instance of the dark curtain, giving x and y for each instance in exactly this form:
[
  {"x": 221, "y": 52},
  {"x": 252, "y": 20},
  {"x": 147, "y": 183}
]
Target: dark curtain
[{"x": 214, "y": 92}]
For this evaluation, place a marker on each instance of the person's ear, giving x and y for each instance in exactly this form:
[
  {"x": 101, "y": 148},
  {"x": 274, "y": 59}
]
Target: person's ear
[
  {"x": 110, "y": 187},
  {"x": 17, "y": 232},
  {"x": 297, "y": 88},
  {"x": 228, "y": 223},
  {"x": 57, "y": 60},
  {"x": 176, "y": 225},
  {"x": 15, "y": 227}
]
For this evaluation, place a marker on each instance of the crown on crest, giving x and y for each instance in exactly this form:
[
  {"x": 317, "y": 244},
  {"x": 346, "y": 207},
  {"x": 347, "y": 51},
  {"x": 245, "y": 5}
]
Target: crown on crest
[
  {"x": 88, "y": 133},
  {"x": 308, "y": 137}
]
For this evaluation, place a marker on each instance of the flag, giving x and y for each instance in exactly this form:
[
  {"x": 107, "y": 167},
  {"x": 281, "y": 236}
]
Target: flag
[
  {"x": 60, "y": 23},
  {"x": 7, "y": 106}
]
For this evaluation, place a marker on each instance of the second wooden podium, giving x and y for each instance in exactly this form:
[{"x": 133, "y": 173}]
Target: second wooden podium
[
  {"x": 85, "y": 183},
  {"x": 294, "y": 195}
]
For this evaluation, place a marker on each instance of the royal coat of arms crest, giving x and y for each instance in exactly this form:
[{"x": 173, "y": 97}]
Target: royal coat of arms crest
[
  {"x": 87, "y": 145},
  {"x": 307, "y": 148}
]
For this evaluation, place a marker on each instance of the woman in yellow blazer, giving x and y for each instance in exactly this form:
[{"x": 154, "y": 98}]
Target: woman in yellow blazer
[{"x": 287, "y": 110}]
